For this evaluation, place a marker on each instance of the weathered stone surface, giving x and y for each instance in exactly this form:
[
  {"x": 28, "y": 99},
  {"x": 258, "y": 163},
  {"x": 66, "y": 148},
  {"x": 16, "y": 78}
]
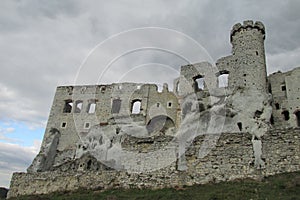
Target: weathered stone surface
[
  {"x": 285, "y": 89},
  {"x": 231, "y": 158},
  {"x": 207, "y": 130}
]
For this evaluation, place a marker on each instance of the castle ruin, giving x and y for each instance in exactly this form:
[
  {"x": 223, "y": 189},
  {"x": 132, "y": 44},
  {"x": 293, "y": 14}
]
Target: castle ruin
[{"x": 220, "y": 123}]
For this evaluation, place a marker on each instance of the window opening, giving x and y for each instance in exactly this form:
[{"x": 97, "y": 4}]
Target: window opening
[
  {"x": 116, "y": 106},
  {"x": 270, "y": 88},
  {"x": 240, "y": 125},
  {"x": 78, "y": 106},
  {"x": 286, "y": 115},
  {"x": 87, "y": 125},
  {"x": 223, "y": 80},
  {"x": 91, "y": 107},
  {"x": 136, "y": 107},
  {"x": 298, "y": 118},
  {"x": 64, "y": 124},
  {"x": 272, "y": 120},
  {"x": 199, "y": 82},
  {"x": 68, "y": 106},
  {"x": 177, "y": 86}
]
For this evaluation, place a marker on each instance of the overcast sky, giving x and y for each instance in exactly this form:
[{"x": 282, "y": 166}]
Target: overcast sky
[{"x": 44, "y": 43}]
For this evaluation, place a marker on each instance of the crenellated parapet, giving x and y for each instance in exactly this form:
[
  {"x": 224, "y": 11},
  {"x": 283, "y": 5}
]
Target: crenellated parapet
[
  {"x": 248, "y": 24},
  {"x": 214, "y": 126}
]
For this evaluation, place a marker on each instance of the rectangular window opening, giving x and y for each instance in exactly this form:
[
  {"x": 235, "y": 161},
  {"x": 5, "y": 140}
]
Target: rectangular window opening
[
  {"x": 277, "y": 106},
  {"x": 223, "y": 80},
  {"x": 78, "y": 106},
  {"x": 86, "y": 125},
  {"x": 286, "y": 115},
  {"x": 199, "y": 83},
  {"x": 116, "y": 106},
  {"x": 68, "y": 106},
  {"x": 64, "y": 124},
  {"x": 136, "y": 107},
  {"x": 91, "y": 107}
]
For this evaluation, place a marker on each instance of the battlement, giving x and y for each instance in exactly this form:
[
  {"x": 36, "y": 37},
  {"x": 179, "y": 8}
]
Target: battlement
[
  {"x": 248, "y": 24},
  {"x": 214, "y": 126}
]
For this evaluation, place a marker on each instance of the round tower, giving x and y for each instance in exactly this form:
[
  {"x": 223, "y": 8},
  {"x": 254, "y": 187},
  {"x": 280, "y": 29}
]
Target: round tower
[{"x": 249, "y": 55}]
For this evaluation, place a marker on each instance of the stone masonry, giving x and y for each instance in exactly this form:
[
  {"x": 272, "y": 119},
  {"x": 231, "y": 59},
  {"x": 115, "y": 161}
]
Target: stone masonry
[
  {"x": 232, "y": 158},
  {"x": 285, "y": 89},
  {"x": 222, "y": 122}
]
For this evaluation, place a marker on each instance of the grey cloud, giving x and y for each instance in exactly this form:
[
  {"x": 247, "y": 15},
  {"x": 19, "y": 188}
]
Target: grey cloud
[
  {"x": 44, "y": 8},
  {"x": 48, "y": 40},
  {"x": 43, "y": 43},
  {"x": 14, "y": 158}
]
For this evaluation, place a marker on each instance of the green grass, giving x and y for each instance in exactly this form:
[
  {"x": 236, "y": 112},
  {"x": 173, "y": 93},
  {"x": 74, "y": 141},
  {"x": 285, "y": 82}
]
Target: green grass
[{"x": 283, "y": 186}]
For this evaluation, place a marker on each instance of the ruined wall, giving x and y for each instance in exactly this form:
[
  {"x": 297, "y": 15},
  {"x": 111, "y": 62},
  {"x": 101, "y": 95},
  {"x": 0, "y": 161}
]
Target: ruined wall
[
  {"x": 95, "y": 139},
  {"x": 92, "y": 118},
  {"x": 285, "y": 90},
  {"x": 231, "y": 158},
  {"x": 245, "y": 96},
  {"x": 155, "y": 103},
  {"x": 246, "y": 66},
  {"x": 77, "y": 109}
]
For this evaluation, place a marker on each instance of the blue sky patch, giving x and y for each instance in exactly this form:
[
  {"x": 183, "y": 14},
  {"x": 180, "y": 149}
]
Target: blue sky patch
[{"x": 19, "y": 133}]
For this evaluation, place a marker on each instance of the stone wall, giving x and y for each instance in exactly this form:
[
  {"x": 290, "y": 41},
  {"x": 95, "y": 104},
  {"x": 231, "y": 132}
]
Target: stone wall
[
  {"x": 246, "y": 66},
  {"x": 77, "y": 109},
  {"x": 78, "y": 121},
  {"x": 231, "y": 158},
  {"x": 94, "y": 138},
  {"x": 285, "y": 90}
]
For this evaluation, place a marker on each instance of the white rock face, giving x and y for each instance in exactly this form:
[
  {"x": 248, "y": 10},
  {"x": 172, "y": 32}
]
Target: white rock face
[
  {"x": 45, "y": 159},
  {"x": 199, "y": 105},
  {"x": 124, "y": 134}
]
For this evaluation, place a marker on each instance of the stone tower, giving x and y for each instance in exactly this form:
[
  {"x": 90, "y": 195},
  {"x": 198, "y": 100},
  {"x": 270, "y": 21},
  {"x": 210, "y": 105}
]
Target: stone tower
[
  {"x": 248, "y": 54},
  {"x": 126, "y": 135}
]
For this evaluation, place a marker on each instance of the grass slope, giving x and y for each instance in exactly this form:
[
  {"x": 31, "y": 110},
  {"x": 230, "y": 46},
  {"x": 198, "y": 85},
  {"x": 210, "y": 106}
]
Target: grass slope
[{"x": 283, "y": 186}]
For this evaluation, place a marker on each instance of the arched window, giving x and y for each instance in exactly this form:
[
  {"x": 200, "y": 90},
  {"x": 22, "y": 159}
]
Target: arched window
[
  {"x": 136, "y": 106},
  {"x": 159, "y": 123}
]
